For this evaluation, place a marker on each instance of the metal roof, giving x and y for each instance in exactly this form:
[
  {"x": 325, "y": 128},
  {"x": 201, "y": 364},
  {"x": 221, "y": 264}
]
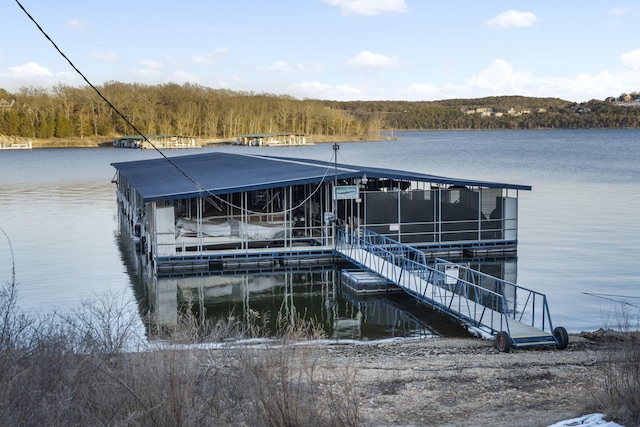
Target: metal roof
[{"x": 221, "y": 173}]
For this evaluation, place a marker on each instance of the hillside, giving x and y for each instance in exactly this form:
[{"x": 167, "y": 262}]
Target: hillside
[
  {"x": 499, "y": 112},
  {"x": 66, "y": 113}
]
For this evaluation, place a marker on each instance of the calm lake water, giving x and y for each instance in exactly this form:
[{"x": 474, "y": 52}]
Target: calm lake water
[{"x": 579, "y": 229}]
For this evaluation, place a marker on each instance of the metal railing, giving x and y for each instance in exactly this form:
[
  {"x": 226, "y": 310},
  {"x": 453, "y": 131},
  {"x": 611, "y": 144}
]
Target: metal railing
[
  {"x": 477, "y": 299},
  {"x": 525, "y": 305},
  {"x": 447, "y": 230}
]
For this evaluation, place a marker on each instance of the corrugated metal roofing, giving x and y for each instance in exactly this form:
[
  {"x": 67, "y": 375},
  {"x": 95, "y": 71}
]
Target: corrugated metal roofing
[{"x": 222, "y": 173}]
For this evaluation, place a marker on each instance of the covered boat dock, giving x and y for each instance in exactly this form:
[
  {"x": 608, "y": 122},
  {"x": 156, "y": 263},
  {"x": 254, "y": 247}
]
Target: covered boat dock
[
  {"x": 206, "y": 212},
  {"x": 272, "y": 139},
  {"x": 155, "y": 142},
  {"x": 220, "y": 211}
]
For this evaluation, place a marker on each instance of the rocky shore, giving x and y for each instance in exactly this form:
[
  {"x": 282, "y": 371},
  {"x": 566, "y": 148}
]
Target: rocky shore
[{"x": 467, "y": 382}]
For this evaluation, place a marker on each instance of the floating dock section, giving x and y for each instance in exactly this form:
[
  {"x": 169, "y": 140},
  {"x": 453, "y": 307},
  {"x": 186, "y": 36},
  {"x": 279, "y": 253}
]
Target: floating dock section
[
  {"x": 272, "y": 139},
  {"x": 15, "y": 143},
  {"x": 365, "y": 282},
  {"x": 155, "y": 142}
]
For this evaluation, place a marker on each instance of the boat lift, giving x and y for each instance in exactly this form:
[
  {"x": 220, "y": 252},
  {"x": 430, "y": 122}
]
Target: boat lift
[{"x": 487, "y": 305}]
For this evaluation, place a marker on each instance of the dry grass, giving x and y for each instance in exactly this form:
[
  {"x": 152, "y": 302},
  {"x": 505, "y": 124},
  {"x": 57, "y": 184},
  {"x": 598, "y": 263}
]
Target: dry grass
[
  {"x": 619, "y": 396},
  {"x": 78, "y": 370}
]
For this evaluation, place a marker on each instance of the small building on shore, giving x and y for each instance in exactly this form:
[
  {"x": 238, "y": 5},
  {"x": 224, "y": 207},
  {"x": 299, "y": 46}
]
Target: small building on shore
[{"x": 214, "y": 210}]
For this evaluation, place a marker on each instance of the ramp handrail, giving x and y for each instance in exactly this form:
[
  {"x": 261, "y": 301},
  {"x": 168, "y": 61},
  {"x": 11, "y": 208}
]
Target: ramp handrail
[
  {"x": 524, "y": 305},
  {"x": 477, "y": 299}
]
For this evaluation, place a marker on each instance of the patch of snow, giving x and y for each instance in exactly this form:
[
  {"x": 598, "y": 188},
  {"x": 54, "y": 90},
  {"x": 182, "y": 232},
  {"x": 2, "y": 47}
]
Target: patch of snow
[{"x": 590, "y": 420}]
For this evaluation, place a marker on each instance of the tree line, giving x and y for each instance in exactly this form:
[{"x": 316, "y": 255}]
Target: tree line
[
  {"x": 66, "y": 111},
  {"x": 506, "y": 112},
  {"x": 202, "y": 112}
]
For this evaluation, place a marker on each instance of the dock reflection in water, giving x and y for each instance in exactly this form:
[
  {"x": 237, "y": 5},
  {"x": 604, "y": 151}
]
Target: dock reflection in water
[{"x": 314, "y": 293}]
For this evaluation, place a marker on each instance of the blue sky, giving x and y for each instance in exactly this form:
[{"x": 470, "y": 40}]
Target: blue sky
[{"x": 332, "y": 49}]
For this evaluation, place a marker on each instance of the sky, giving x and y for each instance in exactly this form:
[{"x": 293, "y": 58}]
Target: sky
[{"x": 413, "y": 50}]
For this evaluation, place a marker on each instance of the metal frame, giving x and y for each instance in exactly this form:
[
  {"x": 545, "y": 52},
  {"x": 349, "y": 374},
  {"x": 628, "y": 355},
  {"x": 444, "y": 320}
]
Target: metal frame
[{"x": 486, "y": 304}]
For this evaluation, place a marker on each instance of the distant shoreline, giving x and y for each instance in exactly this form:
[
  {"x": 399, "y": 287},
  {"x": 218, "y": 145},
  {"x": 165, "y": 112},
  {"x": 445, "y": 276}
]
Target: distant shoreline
[{"x": 97, "y": 142}]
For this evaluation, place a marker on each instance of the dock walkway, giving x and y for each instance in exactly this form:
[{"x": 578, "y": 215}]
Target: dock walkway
[{"x": 487, "y": 305}]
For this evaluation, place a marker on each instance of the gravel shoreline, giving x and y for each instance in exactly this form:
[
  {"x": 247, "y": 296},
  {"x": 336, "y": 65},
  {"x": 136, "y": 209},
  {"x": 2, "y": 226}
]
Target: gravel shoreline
[{"x": 467, "y": 382}]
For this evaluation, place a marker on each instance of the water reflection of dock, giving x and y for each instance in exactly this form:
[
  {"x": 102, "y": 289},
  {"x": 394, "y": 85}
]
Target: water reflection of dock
[
  {"x": 377, "y": 309},
  {"x": 316, "y": 293},
  {"x": 315, "y": 290}
]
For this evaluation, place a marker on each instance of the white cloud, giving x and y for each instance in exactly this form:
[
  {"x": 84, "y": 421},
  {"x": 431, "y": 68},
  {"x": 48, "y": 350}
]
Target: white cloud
[
  {"x": 366, "y": 59},
  {"x": 210, "y": 58},
  {"x": 430, "y": 91},
  {"x": 148, "y": 63},
  {"x": 286, "y": 67},
  {"x": 185, "y": 77},
  {"x": 76, "y": 24},
  {"x": 369, "y": 7},
  {"x": 233, "y": 82},
  {"x": 618, "y": 11},
  {"x": 631, "y": 59},
  {"x": 277, "y": 66},
  {"x": 147, "y": 72},
  {"x": 30, "y": 69},
  {"x": 311, "y": 86},
  {"x": 150, "y": 69},
  {"x": 582, "y": 87},
  {"x": 347, "y": 90},
  {"x": 593, "y": 83},
  {"x": 512, "y": 18},
  {"x": 317, "y": 90},
  {"x": 33, "y": 74},
  {"x": 105, "y": 56},
  {"x": 500, "y": 76},
  {"x": 423, "y": 89}
]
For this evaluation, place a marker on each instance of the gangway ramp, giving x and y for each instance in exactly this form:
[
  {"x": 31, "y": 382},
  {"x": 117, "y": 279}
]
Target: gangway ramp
[{"x": 490, "y": 306}]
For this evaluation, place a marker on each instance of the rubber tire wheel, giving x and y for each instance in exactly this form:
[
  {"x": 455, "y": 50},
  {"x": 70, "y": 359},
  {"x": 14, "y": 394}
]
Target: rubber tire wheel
[
  {"x": 562, "y": 337},
  {"x": 503, "y": 342}
]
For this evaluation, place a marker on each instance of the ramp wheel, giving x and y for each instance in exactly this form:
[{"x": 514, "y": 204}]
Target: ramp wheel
[
  {"x": 562, "y": 337},
  {"x": 503, "y": 342}
]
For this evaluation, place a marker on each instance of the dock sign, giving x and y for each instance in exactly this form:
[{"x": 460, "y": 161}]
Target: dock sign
[
  {"x": 451, "y": 274},
  {"x": 346, "y": 192}
]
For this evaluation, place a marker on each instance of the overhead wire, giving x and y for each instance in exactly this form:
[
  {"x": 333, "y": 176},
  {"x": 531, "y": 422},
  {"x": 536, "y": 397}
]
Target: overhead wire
[
  {"x": 97, "y": 91},
  {"x": 144, "y": 137},
  {"x": 620, "y": 299}
]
